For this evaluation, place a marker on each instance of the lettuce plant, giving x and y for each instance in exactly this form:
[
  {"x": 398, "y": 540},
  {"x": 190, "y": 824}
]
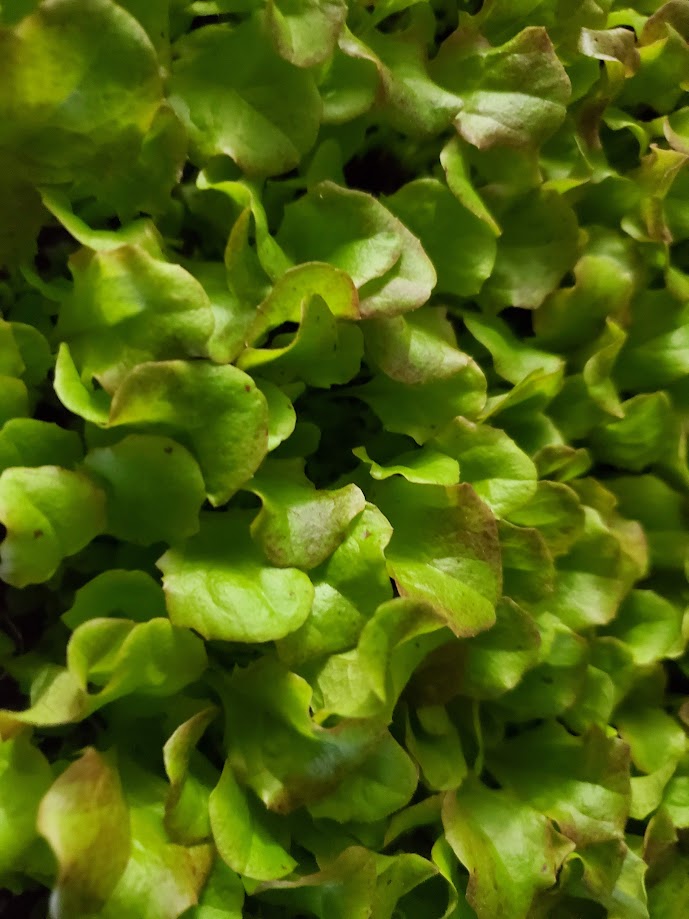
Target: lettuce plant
[{"x": 344, "y": 490}]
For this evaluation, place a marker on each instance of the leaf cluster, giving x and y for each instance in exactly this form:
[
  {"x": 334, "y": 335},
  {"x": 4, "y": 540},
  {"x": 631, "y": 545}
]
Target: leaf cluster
[{"x": 344, "y": 363}]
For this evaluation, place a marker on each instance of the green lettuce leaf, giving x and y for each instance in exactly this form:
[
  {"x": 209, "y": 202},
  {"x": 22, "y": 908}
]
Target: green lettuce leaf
[
  {"x": 580, "y": 783},
  {"x": 153, "y": 486},
  {"x": 460, "y": 245},
  {"x": 348, "y": 588},
  {"x": 186, "y": 805},
  {"x": 305, "y": 32},
  {"x": 49, "y": 514},
  {"x": 161, "y": 879},
  {"x": 367, "y": 681},
  {"x": 444, "y": 551},
  {"x": 483, "y": 667},
  {"x": 273, "y": 135},
  {"x": 85, "y": 818},
  {"x": 355, "y": 233},
  {"x": 219, "y": 584},
  {"x": 382, "y": 784},
  {"x": 499, "y": 472},
  {"x": 127, "y": 307},
  {"x": 218, "y": 412},
  {"x": 538, "y": 246},
  {"x": 249, "y": 839},
  {"x": 299, "y": 526},
  {"x": 341, "y": 889},
  {"x": 94, "y": 52},
  {"x": 26, "y": 777},
  {"x": 409, "y": 98},
  {"x": 117, "y": 657},
  {"x": 511, "y": 851},
  {"x": 130, "y": 594},
  {"x": 426, "y": 381},
  {"x": 513, "y": 95},
  {"x": 435, "y": 744},
  {"x": 321, "y": 353},
  {"x": 424, "y": 467},
  {"x": 28, "y": 442}
]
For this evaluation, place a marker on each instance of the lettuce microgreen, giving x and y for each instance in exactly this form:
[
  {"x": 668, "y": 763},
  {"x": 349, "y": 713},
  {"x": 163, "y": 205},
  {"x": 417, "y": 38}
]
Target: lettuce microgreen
[{"x": 344, "y": 497}]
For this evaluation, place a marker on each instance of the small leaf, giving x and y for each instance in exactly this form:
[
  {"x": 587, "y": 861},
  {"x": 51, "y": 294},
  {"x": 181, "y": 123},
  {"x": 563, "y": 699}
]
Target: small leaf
[
  {"x": 56, "y": 698},
  {"x": 458, "y": 179},
  {"x": 348, "y": 588},
  {"x": 153, "y": 486},
  {"x": 537, "y": 248},
  {"x": 298, "y": 525},
  {"x": 511, "y": 851},
  {"x": 483, "y": 667},
  {"x": 186, "y": 811},
  {"x": 582, "y": 783},
  {"x": 556, "y": 511},
  {"x": 435, "y": 744},
  {"x": 355, "y": 233},
  {"x": 218, "y": 583},
  {"x": 85, "y": 819},
  {"x": 282, "y": 417},
  {"x": 25, "y": 777},
  {"x": 218, "y": 412},
  {"x": 250, "y": 840},
  {"x": 129, "y": 594},
  {"x": 638, "y": 439},
  {"x": 28, "y": 442},
  {"x": 76, "y": 394},
  {"x": 444, "y": 551},
  {"x": 322, "y": 353},
  {"x": 410, "y": 100},
  {"x": 424, "y": 466},
  {"x": 460, "y": 245},
  {"x": 296, "y": 287},
  {"x": 152, "y": 658},
  {"x": 50, "y": 514},
  {"x": 382, "y": 783},
  {"x": 500, "y": 473},
  {"x": 162, "y": 880},
  {"x": 96, "y": 53},
  {"x": 651, "y": 627},
  {"x": 611, "y": 45},
  {"x": 426, "y": 381},
  {"x": 305, "y": 31},
  {"x": 368, "y": 681},
  {"x": 513, "y": 95},
  {"x": 513, "y": 357},
  {"x": 127, "y": 307},
  {"x": 262, "y": 112},
  {"x": 343, "y": 889},
  {"x": 528, "y": 569}
]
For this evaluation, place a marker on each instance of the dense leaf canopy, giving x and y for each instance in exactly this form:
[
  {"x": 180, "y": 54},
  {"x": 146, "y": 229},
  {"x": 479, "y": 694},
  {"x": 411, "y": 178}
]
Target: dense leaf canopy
[{"x": 344, "y": 496}]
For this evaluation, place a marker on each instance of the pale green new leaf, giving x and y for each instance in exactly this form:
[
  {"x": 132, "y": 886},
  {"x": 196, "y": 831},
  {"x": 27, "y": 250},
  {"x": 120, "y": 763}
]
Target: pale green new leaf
[{"x": 49, "y": 514}]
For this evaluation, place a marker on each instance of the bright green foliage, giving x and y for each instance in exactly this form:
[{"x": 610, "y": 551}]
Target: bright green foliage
[
  {"x": 26, "y": 777},
  {"x": 219, "y": 412},
  {"x": 49, "y": 513},
  {"x": 344, "y": 495},
  {"x": 84, "y": 817},
  {"x": 299, "y": 526},
  {"x": 219, "y": 583},
  {"x": 276, "y": 104},
  {"x": 126, "y": 308},
  {"x": 510, "y": 849},
  {"x": 153, "y": 485}
]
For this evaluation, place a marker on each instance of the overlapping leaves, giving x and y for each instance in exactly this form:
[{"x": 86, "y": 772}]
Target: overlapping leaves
[{"x": 343, "y": 471}]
